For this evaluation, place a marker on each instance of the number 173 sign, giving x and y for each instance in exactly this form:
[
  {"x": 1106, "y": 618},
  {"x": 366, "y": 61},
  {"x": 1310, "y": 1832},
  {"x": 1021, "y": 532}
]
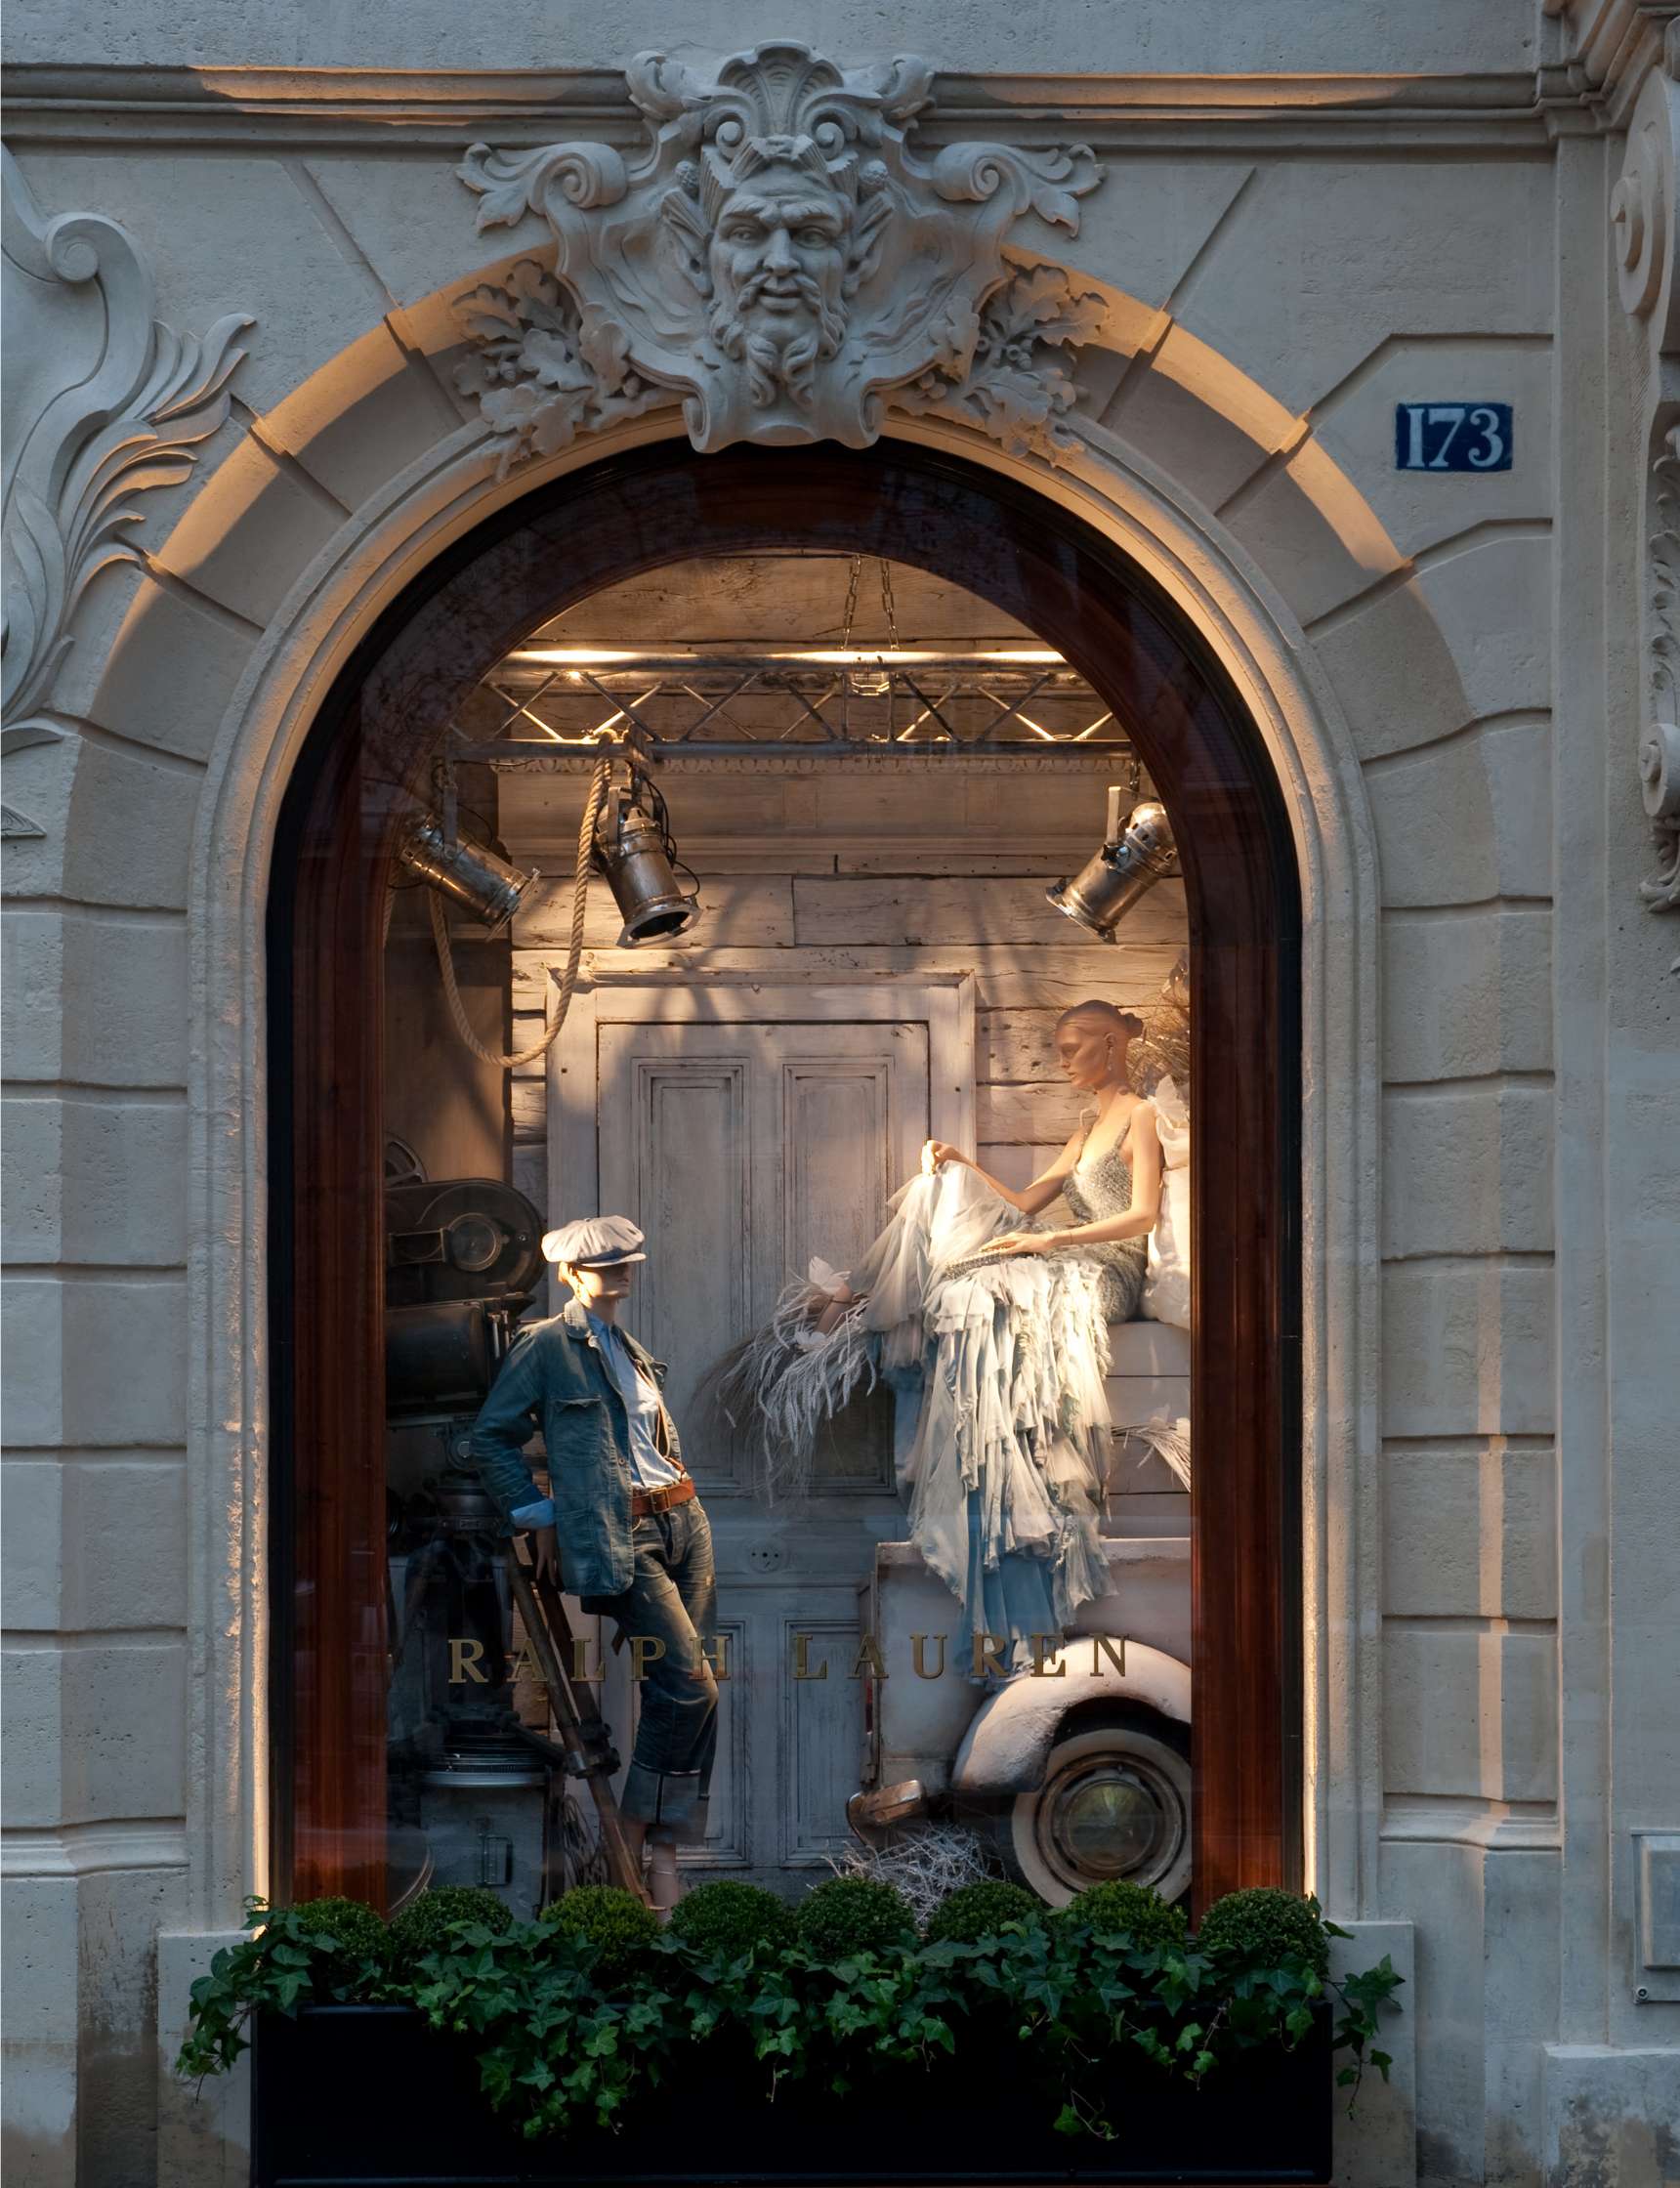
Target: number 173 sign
[{"x": 1453, "y": 436}]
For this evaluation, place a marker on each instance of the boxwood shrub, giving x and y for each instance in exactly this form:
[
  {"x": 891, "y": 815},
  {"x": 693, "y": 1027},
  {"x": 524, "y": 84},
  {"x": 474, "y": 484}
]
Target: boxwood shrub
[
  {"x": 851, "y": 1915},
  {"x": 616, "y": 1923},
  {"x": 976, "y": 1910},
  {"x": 1122, "y": 1910},
  {"x": 1266, "y": 1927},
  {"x": 728, "y": 1919}
]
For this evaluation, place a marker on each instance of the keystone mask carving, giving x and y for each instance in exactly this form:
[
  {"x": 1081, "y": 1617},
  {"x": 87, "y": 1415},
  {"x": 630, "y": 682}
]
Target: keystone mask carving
[{"x": 779, "y": 258}]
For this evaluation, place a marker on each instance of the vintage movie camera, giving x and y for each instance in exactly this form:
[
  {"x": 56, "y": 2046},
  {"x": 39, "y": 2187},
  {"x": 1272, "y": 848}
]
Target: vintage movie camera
[{"x": 471, "y": 1791}]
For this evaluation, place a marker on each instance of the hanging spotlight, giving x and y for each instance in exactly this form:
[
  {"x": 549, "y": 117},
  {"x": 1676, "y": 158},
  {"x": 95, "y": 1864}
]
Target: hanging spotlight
[
  {"x": 467, "y": 871},
  {"x": 635, "y": 849},
  {"x": 1136, "y": 853}
]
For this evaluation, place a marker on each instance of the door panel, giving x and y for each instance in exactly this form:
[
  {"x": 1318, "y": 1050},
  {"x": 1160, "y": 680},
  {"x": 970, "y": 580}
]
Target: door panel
[
  {"x": 820, "y": 1738},
  {"x": 744, "y": 1145},
  {"x": 836, "y": 1135},
  {"x": 675, "y": 1117},
  {"x": 844, "y": 1149}
]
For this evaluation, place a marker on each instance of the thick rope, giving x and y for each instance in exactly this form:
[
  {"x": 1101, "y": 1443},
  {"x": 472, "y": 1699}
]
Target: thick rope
[{"x": 574, "y": 951}]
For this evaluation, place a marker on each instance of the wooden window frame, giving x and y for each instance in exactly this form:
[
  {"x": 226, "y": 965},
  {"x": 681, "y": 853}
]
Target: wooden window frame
[{"x": 1039, "y": 564}]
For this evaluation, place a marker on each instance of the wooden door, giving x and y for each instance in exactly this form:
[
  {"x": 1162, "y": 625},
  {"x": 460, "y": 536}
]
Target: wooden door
[{"x": 772, "y": 1127}]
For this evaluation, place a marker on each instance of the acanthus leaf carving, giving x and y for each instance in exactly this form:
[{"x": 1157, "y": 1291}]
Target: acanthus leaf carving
[
  {"x": 1645, "y": 226},
  {"x": 102, "y": 430},
  {"x": 780, "y": 257},
  {"x": 18, "y": 738},
  {"x": 1008, "y": 387},
  {"x": 1659, "y": 736},
  {"x": 538, "y": 380},
  {"x": 1660, "y": 788}
]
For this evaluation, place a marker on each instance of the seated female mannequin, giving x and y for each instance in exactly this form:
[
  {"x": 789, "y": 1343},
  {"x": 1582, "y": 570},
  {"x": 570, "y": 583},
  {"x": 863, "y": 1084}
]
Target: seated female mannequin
[{"x": 993, "y": 1336}]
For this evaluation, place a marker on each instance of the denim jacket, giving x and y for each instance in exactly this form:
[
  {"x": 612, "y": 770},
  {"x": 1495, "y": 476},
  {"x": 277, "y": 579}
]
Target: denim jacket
[{"x": 555, "y": 1379}]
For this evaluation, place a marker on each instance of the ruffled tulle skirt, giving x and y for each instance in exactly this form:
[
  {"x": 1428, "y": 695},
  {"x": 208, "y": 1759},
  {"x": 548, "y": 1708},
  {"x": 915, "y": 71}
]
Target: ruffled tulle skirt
[{"x": 1001, "y": 1430}]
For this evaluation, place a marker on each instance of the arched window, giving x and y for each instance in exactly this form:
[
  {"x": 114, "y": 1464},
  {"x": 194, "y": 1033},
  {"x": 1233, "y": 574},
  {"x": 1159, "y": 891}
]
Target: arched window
[{"x": 365, "y": 761}]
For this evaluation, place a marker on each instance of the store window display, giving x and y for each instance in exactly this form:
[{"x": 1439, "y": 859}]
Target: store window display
[
  {"x": 931, "y": 1477},
  {"x": 859, "y": 970}
]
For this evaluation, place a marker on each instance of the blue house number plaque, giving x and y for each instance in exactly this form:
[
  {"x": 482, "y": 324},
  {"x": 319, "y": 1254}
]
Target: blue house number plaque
[{"x": 1453, "y": 436}]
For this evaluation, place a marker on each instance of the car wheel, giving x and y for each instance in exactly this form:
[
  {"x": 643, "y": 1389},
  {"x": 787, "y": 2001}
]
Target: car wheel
[{"x": 1115, "y": 1804}]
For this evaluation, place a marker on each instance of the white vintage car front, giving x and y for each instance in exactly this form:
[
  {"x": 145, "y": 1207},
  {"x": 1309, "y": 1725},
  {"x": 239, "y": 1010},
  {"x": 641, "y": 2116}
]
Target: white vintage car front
[{"x": 1077, "y": 1770}]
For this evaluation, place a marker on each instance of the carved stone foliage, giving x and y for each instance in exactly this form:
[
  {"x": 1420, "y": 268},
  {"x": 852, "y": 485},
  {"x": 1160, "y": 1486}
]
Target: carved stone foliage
[
  {"x": 781, "y": 260},
  {"x": 535, "y": 387},
  {"x": 1645, "y": 220},
  {"x": 103, "y": 403},
  {"x": 1659, "y": 736},
  {"x": 1010, "y": 388}
]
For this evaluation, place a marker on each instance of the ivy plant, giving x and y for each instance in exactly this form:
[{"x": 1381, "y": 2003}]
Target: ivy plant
[
  {"x": 320, "y": 1952},
  {"x": 567, "y": 2029}
]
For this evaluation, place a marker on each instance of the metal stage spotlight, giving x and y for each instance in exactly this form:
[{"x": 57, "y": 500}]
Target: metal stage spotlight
[
  {"x": 467, "y": 871},
  {"x": 1136, "y": 853},
  {"x": 635, "y": 849}
]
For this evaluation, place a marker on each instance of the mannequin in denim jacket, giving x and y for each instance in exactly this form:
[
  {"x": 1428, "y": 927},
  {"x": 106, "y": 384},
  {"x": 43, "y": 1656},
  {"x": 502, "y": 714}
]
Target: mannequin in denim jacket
[{"x": 613, "y": 1446}]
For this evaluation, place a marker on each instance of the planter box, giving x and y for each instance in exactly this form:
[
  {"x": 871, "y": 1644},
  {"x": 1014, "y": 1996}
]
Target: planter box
[{"x": 347, "y": 2095}]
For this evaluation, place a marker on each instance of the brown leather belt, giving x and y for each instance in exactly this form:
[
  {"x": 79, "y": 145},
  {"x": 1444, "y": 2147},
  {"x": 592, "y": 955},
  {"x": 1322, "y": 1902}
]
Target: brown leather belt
[{"x": 645, "y": 1503}]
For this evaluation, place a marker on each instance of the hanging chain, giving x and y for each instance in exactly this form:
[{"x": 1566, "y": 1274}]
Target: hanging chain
[
  {"x": 891, "y": 612},
  {"x": 851, "y": 615}
]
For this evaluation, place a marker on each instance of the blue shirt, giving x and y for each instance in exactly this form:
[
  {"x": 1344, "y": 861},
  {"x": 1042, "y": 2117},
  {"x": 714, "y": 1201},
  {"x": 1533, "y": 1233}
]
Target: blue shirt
[{"x": 642, "y": 1402}]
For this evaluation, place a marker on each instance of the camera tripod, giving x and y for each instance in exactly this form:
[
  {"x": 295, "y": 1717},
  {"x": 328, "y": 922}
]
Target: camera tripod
[{"x": 585, "y": 1739}]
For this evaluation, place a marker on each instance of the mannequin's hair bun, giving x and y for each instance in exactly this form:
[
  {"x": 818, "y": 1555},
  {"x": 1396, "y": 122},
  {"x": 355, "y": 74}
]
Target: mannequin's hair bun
[{"x": 1110, "y": 1013}]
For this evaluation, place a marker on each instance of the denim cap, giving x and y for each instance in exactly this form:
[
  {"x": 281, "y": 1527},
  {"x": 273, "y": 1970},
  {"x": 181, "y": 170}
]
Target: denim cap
[{"x": 594, "y": 1242}]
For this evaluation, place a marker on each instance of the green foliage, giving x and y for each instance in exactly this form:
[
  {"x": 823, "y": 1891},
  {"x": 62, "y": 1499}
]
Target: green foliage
[
  {"x": 851, "y": 1915},
  {"x": 425, "y": 1926},
  {"x": 322, "y": 1950},
  {"x": 618, "y": 1925},
  {"x": 1265, "y": 1926},
  {"x": 562, "y": 2037},
  {"x": 359, "y": 1934},
  {"x": 976, "y": 1910},
  {"x": 725, "y": 1921},
  {"x": 576, "y": 2017},
  {"x": 1122, "y": 1910},
  {"x": 1364, "y": 1996}
]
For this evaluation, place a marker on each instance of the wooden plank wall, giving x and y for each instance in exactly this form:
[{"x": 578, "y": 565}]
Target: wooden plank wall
[{"x": 798, "y": 911}]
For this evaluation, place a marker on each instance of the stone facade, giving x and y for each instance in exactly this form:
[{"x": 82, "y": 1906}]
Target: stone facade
[{"x": 243, "y": 413}]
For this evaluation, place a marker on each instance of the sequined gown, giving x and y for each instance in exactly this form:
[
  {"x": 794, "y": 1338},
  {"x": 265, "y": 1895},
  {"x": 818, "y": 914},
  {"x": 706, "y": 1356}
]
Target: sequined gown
[
  {"x": 1093, "y": 1195},
  {"x": 996, "y": 1365}
]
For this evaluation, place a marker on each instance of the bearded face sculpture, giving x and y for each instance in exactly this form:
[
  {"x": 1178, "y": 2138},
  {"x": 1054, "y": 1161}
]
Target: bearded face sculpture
[
  {"x": 778, "y": 270},
  {"x": 776, "y": 241},
  {"x": 780, "y": 259}
]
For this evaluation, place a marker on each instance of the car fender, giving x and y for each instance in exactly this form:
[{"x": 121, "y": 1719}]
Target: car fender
[{"x": 1006, "y": 1746}]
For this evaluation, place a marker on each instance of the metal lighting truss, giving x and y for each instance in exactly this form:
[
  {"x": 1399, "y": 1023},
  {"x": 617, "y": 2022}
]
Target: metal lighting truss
[{"x": 548, "y": 701}]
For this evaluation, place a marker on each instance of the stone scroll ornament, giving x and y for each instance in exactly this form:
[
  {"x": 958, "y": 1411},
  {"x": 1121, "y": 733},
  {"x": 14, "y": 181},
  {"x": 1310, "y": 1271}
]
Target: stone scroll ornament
[
  {"x": 103, "y": 403},
  {"x": 782, "y": 261}
]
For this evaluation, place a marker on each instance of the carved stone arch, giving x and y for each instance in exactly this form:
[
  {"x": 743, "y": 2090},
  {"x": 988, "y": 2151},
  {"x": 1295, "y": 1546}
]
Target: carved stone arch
[{"x": 328, "y": 612}]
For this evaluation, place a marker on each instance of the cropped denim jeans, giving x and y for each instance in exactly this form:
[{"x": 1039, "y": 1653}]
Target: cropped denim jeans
[{"x": 671, "y": 1600}]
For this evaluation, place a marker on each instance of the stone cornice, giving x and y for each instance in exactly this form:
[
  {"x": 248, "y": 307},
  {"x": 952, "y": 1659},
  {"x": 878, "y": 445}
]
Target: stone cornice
[
  {"x": 1611, "y": 47},
  {"x": 353, "y": 108}
]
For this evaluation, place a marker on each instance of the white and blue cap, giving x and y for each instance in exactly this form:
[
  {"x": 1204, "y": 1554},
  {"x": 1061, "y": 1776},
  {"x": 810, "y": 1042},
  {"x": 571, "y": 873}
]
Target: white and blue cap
[{"x": 595, "y": 1242}]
